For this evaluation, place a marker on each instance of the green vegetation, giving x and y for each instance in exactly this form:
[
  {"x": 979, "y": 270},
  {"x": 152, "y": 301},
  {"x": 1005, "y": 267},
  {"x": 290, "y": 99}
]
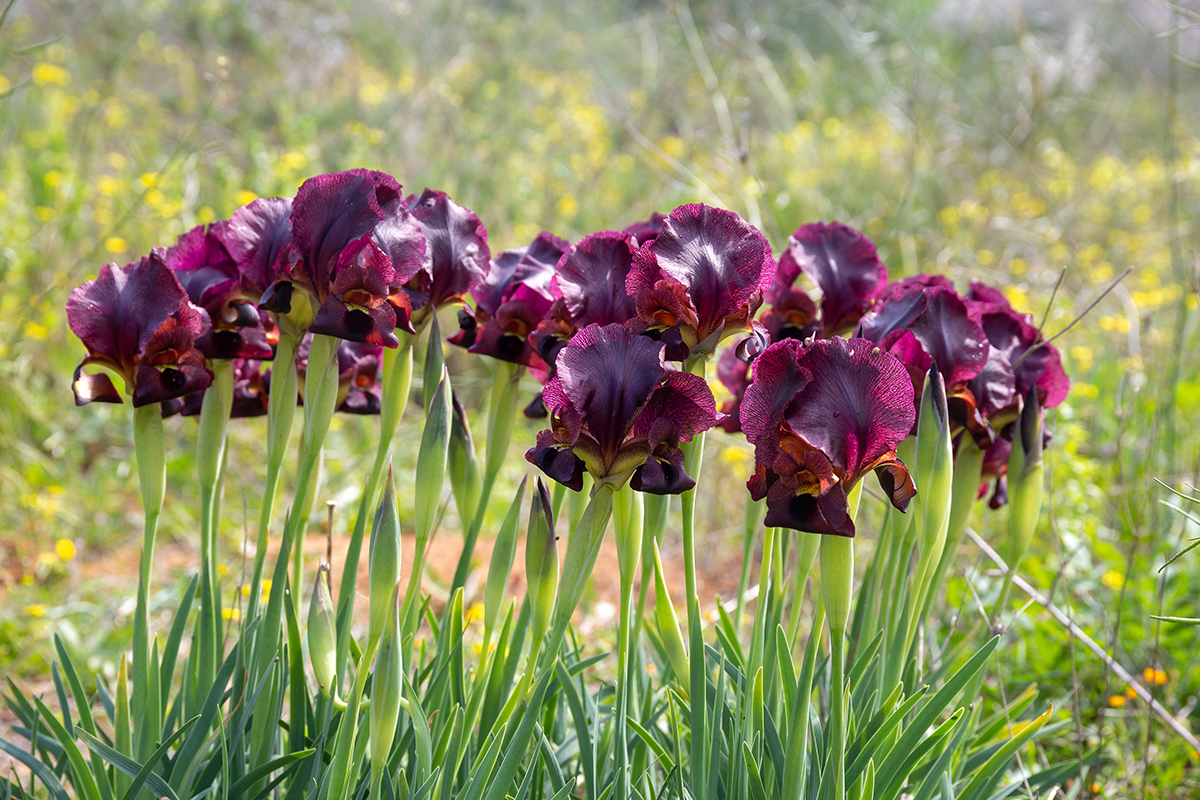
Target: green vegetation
[{"x": 1005, "y": 148}]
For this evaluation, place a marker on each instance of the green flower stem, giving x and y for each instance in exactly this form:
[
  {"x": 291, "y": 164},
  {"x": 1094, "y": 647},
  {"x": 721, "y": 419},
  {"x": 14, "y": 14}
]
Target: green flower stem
[
  {"x": 281, "y": 413},
  {"x": 214, "y": 423},
  {"x": 753, "y": 518},
  {"x": 320, "y": 399},
  {"x": 397, "y": 381},
  {"x": 627, "y": 527},
  {"x": 582, "y": 550},
  {"x": 693, "y": 453},
  {"x": 501, "y": 420},
  {"x": 150, "y": 446},
  {"x": 654, "y": 524},
  {"x": 968, "y": 469},
  {"x": 765, "y": 576},
  {"x": 808, "y": 546},
  {"x": 837, "y": 580}
]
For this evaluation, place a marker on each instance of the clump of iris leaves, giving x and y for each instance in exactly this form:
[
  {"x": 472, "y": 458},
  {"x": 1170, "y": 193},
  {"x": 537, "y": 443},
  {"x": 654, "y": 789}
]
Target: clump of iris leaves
[{"x": 316, "y": 303}]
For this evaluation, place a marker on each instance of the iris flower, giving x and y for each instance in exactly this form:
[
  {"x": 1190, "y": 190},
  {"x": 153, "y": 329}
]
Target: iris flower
[
  {"x": 820, "y": 416},
  {"x": 617, "y": 412},
  {"x": 510, "y": 302},
  {"x": 842, "y": 263},
  {"x": 923, "y": 321},
  {"x": 354, "y": 246},
  {"x": 211, "y": 277},
  {"x": 137, "y": 322},
  {"x": 701, "y": 279},
  {"x": 456, "y": 252}
]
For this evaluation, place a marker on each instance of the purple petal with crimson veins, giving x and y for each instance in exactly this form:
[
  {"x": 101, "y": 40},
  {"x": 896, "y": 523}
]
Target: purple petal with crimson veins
[
  {"x": 591, "y": 276},
  {"x": 456, "y": 245},
  {"x": 607, "y": 374},
  {"x": 680, "y": 407},
  {"x": 840, "y": 261},
  {"x": 943, "y": 324},
  {"x": 117, "y": 314},
  {"x": 258, "y": 237},
  {"x": 647, "y": 230},
  {"x": 530, "y": 267},
  {"x": 724, "y": 263},
  {"x": 357, "y": 308},
  {"x": 331, "y": 211}
]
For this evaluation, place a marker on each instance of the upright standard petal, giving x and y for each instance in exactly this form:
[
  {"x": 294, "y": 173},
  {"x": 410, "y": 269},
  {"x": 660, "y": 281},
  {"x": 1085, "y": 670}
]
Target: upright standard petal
[
  {"x": 705, "y": 272},
  {"x": 840, "y": 261},
  {"x": 456, "y": 248},
  {"x": 258, "y": 237}
]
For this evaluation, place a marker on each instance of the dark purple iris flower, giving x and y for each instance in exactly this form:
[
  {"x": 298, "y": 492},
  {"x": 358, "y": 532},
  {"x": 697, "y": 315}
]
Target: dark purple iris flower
[
  {"x": 734, "y": 374},
  {"x": 456, "y": 251},
  {"x": 701, "y": 279},
  {"x": 354, "y": 246},
  {"x": 820, "y": 416},
  {"x": 923, "y": 321},
  {"x": 515, "y": 296},
  {"x": 840, "y": 261},
  {"x": 358, "y": 364},
  {"x": 258, "y": 237},
  {"x": 137, "y": 321},
  {"x": 251, "y": 382},
  {"x": 1011, "y": 335},
  {"x": 616, "y": 409},
  {"x": 590, "y": 282},
  {"x": 210, "y": 275}
]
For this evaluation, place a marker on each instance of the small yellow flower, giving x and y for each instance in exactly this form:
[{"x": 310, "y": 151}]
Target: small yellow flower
[
  {"x": 472, "y": 614},
  {"x": 231, "y": 614},
  {"x": 47, "y": 74},
  {"x": 115, "y": 244},
  {"x": 222, "y": 570},
  {"x": 35, "y": 330},
  {"x": 1160, "y": 677},
  {"x": 26, "y": 580},
  {"x": 1148, "y": 674},
  {"x": 65, "y": 549},
  {"x": 35, "y": 610},
  {"x": 1117, "y": 701},
  {"x": 1131, "y": 693},
  {"x": 244, "y": 197},
  {"x": 1112, "y": 579}
]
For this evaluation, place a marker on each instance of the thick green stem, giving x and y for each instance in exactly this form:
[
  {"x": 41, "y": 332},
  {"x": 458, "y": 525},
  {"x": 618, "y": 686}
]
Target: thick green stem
[
  {"x": 627, "y": 525},
  {"x": 281, "y": 413},
  {"x": 751, "y": 521},
  {"x": 149, "y": 444},
  {"x": 320, "y": 399},
  {"x": 501, "y": 420},
  {"x": 214, "y": 422},
  {"x": 757, "y": 636}
]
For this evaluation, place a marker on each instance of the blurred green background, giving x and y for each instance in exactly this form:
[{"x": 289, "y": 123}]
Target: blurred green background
[{"x": 999, "y": 141}]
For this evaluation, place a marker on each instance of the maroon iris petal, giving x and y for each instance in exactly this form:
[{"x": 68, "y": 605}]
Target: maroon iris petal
[
  {"x": 723, "y": 264},
  {"x": 357, "y": 308},
  {"x": 842, "y": 262},
  {"x": 820, "y": 416},
  {"x": 258, "y": 236},
  {"x": 647, "y": 230},
  {"x": 211, "y": 277},
  {"x": 516, "y": 295},
  {"x": 250, "y": 384},
  {"x": 1013, "y": 334},
  {"x": 137, "y": 321},
  {"x": 939, "y": 320},
  {"x": 591, "y": 276},
  {"x": 734, "y": 374},
  {"x": 456, "y": 246},
  {"x": 615, "y": 408}
]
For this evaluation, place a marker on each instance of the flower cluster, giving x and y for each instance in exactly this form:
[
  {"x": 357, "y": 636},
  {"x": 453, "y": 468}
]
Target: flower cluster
[{"x": 348, "y": 257}]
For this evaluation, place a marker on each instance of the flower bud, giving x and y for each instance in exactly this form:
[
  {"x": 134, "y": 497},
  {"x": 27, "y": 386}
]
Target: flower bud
[
  {"x": 435, "y": 361},
  {"x": 462, "y": 465},
  {"x": 837, "y": 579},
  {"x": 627, "y": 527},
  {"x": 668, "y": 624},
  {"x": 387, "y": 684},
  {"x": 935, "y": 465},
  {"x": 384, "y": 559},
  {"x": 322, "y": 638},
  {"x": 541, "y": 562},
  {"x": 1025, "y": 471},
  {"x": 500, "y": 567},
  {"x": 431, "y": 461}
]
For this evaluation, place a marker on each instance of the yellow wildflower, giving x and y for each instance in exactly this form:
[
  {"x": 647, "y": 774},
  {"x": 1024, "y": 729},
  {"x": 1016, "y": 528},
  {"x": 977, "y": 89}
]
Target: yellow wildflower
[
  {"x": 35, "y": 610},
  {"x": 65, "y": 549},
  {"x": 1117, "y": 701}
]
